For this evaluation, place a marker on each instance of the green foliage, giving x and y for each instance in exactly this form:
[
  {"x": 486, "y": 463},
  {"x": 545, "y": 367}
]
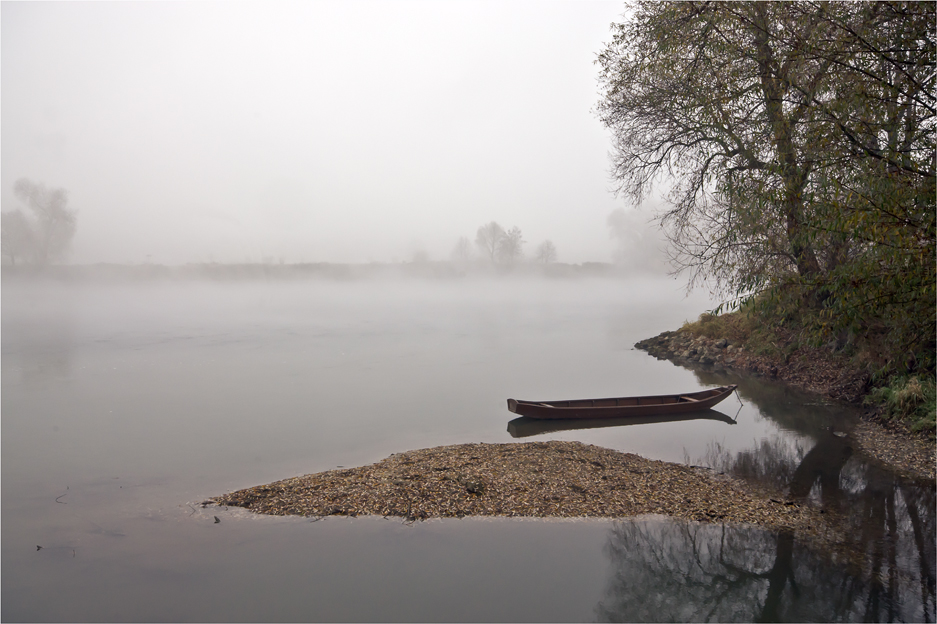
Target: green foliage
[{"x": 912, "y": 399}]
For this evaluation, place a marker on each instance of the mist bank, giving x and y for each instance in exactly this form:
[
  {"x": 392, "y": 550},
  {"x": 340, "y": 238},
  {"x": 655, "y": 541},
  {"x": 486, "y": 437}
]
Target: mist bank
[{"x": 442, "y": 270}]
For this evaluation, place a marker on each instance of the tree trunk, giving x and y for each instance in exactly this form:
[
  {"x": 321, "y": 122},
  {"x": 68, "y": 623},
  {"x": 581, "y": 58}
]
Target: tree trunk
[{"x": 793, "y": 174}]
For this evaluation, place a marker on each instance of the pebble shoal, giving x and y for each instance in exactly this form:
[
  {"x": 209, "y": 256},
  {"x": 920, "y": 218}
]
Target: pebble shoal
[{"x": 534, "y": 479}]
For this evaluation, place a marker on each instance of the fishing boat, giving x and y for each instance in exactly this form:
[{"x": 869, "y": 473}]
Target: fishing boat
[{"x": 622, "y": 407}]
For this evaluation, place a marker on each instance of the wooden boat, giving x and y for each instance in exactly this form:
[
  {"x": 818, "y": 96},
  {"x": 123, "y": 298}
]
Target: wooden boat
[
  {"x": 523, "y": 427},
  {"x": 622, "y": 407}
]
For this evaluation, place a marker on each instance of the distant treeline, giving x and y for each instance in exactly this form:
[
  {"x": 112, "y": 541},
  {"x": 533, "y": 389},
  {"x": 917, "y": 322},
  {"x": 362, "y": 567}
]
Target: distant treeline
[{"x": 302, "y": 271}]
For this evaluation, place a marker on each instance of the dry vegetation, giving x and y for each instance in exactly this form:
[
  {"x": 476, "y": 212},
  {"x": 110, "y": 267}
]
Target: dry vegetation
[{"x": 539, "y": 479}]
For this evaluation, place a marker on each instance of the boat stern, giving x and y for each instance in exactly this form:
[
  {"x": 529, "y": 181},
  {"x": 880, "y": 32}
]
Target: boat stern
[{"x": 512, "y": 406}]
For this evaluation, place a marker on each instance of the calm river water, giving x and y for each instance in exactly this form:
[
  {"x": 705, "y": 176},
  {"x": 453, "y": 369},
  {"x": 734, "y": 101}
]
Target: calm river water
[{"x": 124, "y": 405}]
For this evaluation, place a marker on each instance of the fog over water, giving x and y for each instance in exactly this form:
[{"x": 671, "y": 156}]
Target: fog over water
[
  {"x": 385, "y": 365},
  {"x": 267, "y": 280},
  {"x": 126, "y": 403},
  {"x": 310, "y": 131}
]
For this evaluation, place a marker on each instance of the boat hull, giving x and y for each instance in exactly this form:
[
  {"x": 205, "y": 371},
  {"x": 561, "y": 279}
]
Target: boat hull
[
  {"x": 621, "y": 407},
  {"x": 523, "y": 427}
]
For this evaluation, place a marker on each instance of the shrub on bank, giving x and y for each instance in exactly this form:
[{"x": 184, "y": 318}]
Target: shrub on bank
[
  {"x": 746, "y": 328},
  {"x": 909, "y": 399}
]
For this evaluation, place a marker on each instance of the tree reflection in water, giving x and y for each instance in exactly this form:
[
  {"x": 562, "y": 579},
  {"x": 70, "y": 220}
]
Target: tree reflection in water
[
  {"x": 683, "y": 572},
  {"x": 885, "y": 571}
]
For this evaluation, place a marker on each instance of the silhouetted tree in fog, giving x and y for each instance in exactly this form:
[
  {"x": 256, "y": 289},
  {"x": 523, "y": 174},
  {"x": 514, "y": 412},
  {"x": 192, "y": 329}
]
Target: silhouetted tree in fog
[
  {"x": 49, "y": 236},
  {"x": 498, "y": 245},
  {"x": 510, "y": 246},
  {"x": 488, "y": 238},
  {"x": 462, "y": 252},
  {"x": 546, "y": 252}
]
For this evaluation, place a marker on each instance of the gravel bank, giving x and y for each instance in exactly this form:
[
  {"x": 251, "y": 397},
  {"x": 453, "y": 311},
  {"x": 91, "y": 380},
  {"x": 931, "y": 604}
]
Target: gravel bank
[{"x": 539, "y": 479}]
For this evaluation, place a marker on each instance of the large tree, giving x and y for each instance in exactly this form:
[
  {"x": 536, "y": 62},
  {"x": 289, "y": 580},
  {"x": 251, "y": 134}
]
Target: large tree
[{"x": 798, "y": 140}]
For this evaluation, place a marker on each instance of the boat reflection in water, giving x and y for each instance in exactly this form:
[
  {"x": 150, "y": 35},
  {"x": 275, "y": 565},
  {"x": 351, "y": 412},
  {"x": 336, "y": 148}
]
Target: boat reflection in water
[{"x": 524, "y": 427}]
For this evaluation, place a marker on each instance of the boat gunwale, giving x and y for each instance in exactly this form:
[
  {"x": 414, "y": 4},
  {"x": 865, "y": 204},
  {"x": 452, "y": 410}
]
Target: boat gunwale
[{"x": 586, "y": 408}]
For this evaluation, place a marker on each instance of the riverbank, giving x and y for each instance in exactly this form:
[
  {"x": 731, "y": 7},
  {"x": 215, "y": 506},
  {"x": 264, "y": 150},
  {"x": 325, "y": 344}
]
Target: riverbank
[
  {"x": 886, "y": 441},
  {"x": 534, "y": 479}
]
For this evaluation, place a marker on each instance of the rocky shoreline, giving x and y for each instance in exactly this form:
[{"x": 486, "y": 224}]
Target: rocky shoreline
[
  {"x": 806, "y": 368},
  {"x": 814, "y": 371}
]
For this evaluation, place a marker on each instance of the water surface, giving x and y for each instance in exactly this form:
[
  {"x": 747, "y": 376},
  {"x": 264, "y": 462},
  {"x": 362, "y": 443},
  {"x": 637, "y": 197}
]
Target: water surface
[{"x": 124, "y": 405}]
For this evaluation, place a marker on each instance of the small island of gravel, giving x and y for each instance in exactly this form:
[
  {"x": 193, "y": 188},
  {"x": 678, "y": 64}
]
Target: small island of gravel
[{"x": 534, "y": 479}]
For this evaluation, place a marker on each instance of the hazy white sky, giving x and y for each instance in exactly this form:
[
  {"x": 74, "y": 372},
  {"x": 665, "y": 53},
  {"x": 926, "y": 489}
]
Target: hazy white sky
[{"x": 309, "y": 131}]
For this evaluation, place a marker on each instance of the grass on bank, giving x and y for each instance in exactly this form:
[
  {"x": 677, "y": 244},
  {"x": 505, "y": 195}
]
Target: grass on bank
[
  {"x": 741, "y": 328},
  {"x": 910, "y": 399},
  {"x": 900, "y": 395}
]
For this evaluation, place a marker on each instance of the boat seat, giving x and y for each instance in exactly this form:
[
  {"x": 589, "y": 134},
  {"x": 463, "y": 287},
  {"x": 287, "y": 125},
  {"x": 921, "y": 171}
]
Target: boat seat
[{"x": 690, "y": 399}]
